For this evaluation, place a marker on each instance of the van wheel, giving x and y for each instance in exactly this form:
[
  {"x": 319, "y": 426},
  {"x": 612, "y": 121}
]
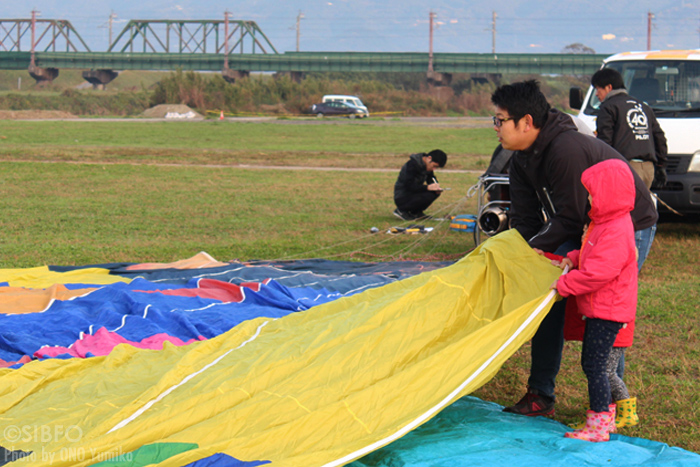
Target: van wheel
[{"x": 319, "y": 115}]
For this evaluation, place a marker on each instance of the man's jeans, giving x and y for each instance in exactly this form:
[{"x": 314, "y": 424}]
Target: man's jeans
[{"x": 643, "y": 240}]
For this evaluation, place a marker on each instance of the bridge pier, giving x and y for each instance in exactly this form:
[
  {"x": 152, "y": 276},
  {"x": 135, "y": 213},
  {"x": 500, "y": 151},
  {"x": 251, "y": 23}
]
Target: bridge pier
[
  {"x": 99, "y": 78},
  {"x": 295, "y": 76},
  {"x": 483, "y": 78},
  {"x": 439, "y": 79},
  {"x": 232, "y": 75},
  {"x": 43, "y": 74}
]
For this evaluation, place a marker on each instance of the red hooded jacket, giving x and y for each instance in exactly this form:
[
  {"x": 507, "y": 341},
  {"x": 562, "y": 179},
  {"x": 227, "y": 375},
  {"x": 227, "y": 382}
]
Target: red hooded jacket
[{"x": 605, "y": 279}]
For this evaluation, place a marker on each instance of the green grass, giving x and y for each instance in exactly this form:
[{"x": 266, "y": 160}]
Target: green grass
[
  {"x": 329, "y": 144},
  {"x": 90, "y": 213},
  {"x": 346, "y": 137},
  {"x": 97, "y": 200}
]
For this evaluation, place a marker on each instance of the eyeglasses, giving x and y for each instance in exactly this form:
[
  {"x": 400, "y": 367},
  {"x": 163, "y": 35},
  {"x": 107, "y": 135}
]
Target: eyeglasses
[{"x": 498, "y": 122}]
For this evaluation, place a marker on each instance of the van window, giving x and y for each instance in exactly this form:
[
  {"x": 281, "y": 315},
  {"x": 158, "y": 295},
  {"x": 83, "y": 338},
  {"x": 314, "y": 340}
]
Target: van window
[
  {"x": 352, "y": 100},
  {"x": 670, "y": 87}
]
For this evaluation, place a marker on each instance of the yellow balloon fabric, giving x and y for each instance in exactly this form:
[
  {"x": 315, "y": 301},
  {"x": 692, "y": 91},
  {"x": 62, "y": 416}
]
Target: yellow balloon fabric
[
  {"x": 317, "y": 388},
  {"x": 42, "y": 278}
]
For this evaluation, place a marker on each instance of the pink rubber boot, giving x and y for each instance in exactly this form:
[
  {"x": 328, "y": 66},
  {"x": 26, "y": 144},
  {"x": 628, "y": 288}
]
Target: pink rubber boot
[
  {"x": 597, "y": 427},
  {"x": 612, "y": 408}
]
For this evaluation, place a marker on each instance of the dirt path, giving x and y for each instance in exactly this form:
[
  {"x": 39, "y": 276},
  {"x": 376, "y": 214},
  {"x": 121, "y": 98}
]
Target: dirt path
[{"x": 237, "y": 166}]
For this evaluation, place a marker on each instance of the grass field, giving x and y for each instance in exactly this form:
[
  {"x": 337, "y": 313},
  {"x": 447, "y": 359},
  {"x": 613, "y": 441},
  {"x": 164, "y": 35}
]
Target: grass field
[
  {"x": 333, "y": 143},
  {"x": 81, "y": 192}
]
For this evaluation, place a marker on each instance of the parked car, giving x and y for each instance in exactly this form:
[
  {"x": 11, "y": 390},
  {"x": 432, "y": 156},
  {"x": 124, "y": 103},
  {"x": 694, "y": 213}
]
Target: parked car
[
  {"x": 352, "y": 100},
  {"x": 338, "y": 108}
]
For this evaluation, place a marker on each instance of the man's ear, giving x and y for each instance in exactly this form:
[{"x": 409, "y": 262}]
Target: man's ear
[{"x": 528, "y": 120}]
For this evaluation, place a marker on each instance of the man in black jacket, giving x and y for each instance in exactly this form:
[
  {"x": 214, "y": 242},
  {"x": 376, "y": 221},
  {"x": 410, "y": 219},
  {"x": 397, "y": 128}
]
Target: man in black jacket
[
  {"x": 549, "y": 207},
  {"x": 417, "y": 187},
  {"x": 630, "y": 126}
]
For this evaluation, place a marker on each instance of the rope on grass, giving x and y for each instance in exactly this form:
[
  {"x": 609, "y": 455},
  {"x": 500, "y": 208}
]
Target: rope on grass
[{"x": 444, "y": 214}]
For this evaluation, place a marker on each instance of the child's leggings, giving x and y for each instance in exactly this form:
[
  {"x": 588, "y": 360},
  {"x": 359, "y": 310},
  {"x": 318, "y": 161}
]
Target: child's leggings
[
  {"x": 618, "y": 389},
  {"x": 598, "y": 340}
]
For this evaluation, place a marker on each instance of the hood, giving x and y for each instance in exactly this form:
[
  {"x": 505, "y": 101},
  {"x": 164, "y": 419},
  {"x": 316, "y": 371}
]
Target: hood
[
  {"x": 616, "y": 92},
  {"x": 612, "y": 190},
  {"x": 419, "y": 159},
  {"x": 557, "y": 122}
]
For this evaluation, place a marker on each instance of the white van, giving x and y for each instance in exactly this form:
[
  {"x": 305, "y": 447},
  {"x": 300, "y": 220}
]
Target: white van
[
  {"x": 669, "y": 81},
  {"x": 352, "y": 100}
]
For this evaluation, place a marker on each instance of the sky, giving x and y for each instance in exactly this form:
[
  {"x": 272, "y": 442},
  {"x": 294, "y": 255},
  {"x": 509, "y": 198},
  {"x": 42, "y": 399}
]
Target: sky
[{"x": 521, "y": 26}]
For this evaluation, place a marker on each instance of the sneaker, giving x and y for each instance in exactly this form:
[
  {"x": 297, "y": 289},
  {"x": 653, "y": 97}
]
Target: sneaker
[
  {"x": 404, "y": 216},
  {"x": 533, "y": 404},
  {"x": 423, "y": 216}
]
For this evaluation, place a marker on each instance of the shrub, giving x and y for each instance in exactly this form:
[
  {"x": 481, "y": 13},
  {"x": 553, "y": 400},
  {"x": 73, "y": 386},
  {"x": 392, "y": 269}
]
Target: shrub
[{"x": 388, "y": 93}]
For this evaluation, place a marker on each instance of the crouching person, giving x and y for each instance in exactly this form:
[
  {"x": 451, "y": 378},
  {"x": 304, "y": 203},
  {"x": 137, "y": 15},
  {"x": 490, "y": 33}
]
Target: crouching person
[{"x": 417, "y": 187}]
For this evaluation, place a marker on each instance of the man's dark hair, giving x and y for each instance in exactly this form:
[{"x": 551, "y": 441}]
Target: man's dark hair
[
  {"x": 521, "y": 99},
  {"x": 438, "y": 156},
  {"x": 605, "y": 76}
]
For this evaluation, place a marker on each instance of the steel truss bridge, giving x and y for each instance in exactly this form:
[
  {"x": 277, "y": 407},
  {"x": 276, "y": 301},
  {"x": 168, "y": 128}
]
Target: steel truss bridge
[{"x": 237, "y": 48}]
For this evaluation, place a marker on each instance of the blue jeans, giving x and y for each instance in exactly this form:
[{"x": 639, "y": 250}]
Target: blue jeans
[
  {"x": 643, "y": 240},
  {"x": 548, "y": 342}
]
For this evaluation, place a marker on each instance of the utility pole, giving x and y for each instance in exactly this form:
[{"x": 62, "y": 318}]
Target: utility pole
[
  {"x": 110, "y": 27},
  {"x": 32, "y": 62},
  {"x": 493, "y": 32},
  {"x": 226, "y": 15},
  {"x": 300, "y": 16},
  {"x": 650, "y": 16},
  {"x": 112, "y": 16},
  {"x": 430, "y": 52}
]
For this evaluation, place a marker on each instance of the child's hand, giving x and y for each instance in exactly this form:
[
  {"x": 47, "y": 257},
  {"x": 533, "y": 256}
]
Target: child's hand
[
  {"x": 538, "y": 251},
  {"x": 554, "y": 285},
  {"x": 563, "y": 263}
]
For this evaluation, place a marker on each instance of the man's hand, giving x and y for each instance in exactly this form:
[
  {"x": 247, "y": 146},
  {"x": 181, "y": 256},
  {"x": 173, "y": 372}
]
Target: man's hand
[
  {"x": 434, "y": 187},
  {"x": 660, "y": 177}
]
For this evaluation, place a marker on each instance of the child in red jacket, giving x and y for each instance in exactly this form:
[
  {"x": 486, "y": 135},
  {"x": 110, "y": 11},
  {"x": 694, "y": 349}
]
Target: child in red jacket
[
  {"x": 624, "y": 407},
  {"x": 604, "y": 281}
]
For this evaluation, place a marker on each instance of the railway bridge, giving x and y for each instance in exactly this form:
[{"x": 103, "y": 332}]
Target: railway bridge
[{"x": 236, "y": 48}]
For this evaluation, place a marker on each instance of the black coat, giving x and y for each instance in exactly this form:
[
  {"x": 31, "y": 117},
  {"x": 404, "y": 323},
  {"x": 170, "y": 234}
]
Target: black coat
[
  {"x": 548, "y": 176},
  {"x": 630, "y": 126},
  {"x": 414, "y": 177}
]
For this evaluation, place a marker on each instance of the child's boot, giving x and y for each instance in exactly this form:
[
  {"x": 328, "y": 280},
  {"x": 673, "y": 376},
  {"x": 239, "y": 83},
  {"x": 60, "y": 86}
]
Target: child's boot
[
  {"x": 597, "y": 427},
  {"x": 612, "y": 408},
  {"x": 627, "y": 413}
]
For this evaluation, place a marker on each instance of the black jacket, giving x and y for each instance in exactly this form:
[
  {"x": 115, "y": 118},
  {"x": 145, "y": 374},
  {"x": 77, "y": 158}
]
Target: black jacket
[
  {"x": 548, "y": 175},
  {"x": 413, "y": 178},
  {"x": 630, "y": 126}
]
